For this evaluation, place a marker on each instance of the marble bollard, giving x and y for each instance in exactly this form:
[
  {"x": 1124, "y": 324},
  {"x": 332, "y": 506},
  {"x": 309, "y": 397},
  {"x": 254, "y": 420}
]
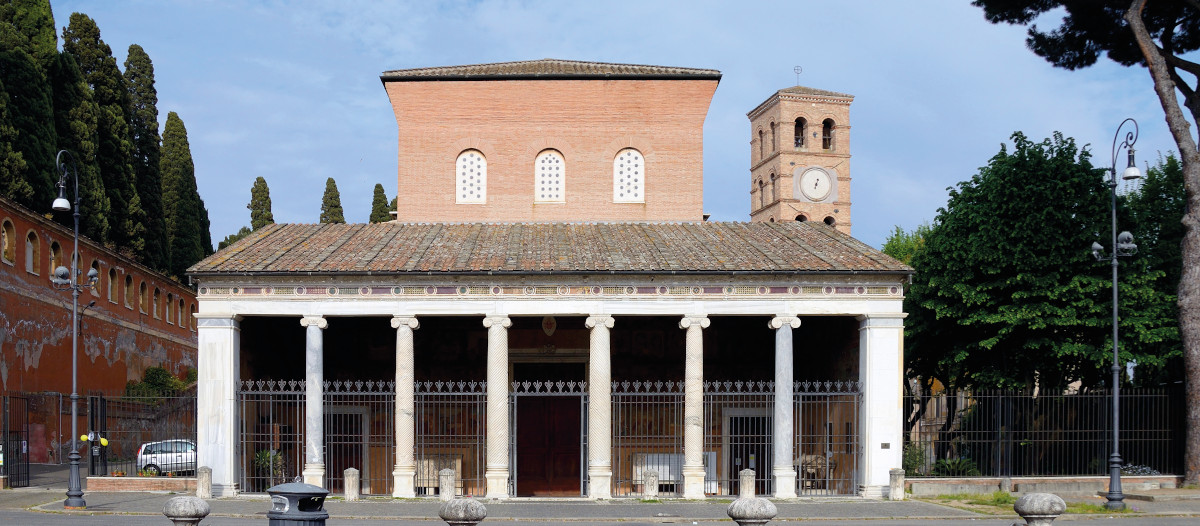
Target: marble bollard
[
  {"x": 351, "y": 480},
  {"x": 1039, "y": 509},
  {"x": 457, "y": 512},
  {"x": 186, "y": 510},
  {"x": 446, "y": 484},
  {"x": 204, "y": 482},
  {"x": 747, "y": 509},
  {"x": 896, "y": 484},
  {"x": 650, "y": 488}
]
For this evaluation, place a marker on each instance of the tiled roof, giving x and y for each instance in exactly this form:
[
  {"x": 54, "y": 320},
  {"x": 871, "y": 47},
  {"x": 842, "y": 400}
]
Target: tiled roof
[
  {"x": 398, "y": 248},
  {"x": 803, "y": 90},
  {"x": 548, "y": 69}
]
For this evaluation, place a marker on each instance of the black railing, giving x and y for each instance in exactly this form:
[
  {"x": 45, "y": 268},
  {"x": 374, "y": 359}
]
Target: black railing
[{"x": 149, "y": 434}]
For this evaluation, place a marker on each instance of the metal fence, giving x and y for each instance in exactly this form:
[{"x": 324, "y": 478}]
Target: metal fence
[
  {"x": 451, "y": 418},
  {"x": 149, "y": 434},
  {"x": 827, "y": 432},
  {"x": 271, "y": 441},
  {"x": 647, "y": 434},
  {"x": 14, "y": 440},
  {"x": 360, "y": 432},
  {"x": 1010, "y": 433},
  {"x": 739, "y": 424}
]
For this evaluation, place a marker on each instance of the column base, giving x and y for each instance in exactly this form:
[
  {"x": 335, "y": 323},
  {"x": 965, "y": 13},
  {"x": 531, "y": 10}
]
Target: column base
[
  {"x": 693, "y": 483},
  {"x": 224, "y": 490},
  {"x": 314, "y": 474},
  {"x": 497, "y": 483},
  {"x": 785, "y": 483},
  {"x": 404, "y": 479},
  {"x": 872, "y": 492},
  {"x": 600, "y": 482}
]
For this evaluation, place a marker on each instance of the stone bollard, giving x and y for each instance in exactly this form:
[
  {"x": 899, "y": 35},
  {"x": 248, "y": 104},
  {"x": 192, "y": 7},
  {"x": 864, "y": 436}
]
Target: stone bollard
[
  {"x": 446, "y": 480},
  {"x": 748, "y": 509},
  {"x": 457, "y": 512},
  {"x": 650, "y": 488},
  {"x": 351, "y": 481},
  {"x": 204, "y": 482},
  {"x": 896, "y": 484},
  {"x": 1039, "y": 509},
  {"x": 185, "y": 510}
]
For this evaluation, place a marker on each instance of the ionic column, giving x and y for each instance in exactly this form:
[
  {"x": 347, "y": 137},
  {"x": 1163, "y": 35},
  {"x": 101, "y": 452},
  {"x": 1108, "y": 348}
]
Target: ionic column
[
  {"x": 880, "y": 355},
  {"x": 314, "y": 382},
  {"x": 785, "y": 474},
  {"x": 693, "y": 407},
  {"x": 405, "y": 472},
  {"x": 496, "y": 464},
  {"x": 599, "y": 408},
  {"x": 219, "y": 340}
]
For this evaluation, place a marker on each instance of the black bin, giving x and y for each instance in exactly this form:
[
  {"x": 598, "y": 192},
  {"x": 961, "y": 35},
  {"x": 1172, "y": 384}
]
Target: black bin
[{"x": 297, "y": 504}]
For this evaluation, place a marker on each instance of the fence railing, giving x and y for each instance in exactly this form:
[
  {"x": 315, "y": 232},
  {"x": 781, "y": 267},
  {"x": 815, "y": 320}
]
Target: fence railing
[
  {"x": 1011, "y": 433},
  {"x": 148, "y": 433}
]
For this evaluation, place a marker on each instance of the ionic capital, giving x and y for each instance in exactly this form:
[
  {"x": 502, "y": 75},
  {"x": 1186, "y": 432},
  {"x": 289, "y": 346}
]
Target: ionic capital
[
  {"x": 699, "y": 321},
  {"x": 779, "y": 321},
  {"x": 593, "y": 321},
  {"x": 405, "y": 321},
  {"x": 498, "y": 321},
  {"x": 319, "y": 321}
]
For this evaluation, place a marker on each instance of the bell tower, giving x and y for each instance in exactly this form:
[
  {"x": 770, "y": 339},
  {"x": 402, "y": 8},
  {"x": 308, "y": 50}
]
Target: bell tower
[{"x": 800, "y": 157}]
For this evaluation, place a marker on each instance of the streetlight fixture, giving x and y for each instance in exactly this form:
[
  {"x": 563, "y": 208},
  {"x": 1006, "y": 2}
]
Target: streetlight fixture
[
  {"x": 64, "y": 279},
  {"x": 1123, "y": 246}
]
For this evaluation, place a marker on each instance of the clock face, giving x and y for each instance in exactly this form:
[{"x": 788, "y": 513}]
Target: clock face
[{"x": 816, "y": 184}]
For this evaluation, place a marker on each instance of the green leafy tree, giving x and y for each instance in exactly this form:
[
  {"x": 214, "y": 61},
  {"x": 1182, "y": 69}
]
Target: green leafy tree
[
  {"x": 379, "y": 206},
  {"x": 12, "y": 165},
  {"x": 1160, "y": 36},
  {"x": 1006, "y": 294},
  {"x": 331, "y": 204},
  {"x": 32, "y": 26},
  {"x": 904, "y": 245},
  {"x": 260, "y": 206},
  {"x": 234, "y": 238},
  {"x": 185, "y": 215},
  {"x": 75, "y": 117},
  {"x": 31, "y": 114},
  {"x": 143, "y": 126}
]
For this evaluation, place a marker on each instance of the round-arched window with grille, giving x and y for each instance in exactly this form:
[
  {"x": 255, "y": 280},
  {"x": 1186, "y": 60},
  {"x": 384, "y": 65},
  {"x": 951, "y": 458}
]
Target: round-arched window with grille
[
  {"x": 629, "y": 177},
  {"x": 549, "y": 178},
  {"x": 471, "y": 169}
]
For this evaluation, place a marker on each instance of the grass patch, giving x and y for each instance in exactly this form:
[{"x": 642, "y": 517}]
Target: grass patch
[
  {"x": 1089, "y": 508},
  {"x": 997, "y": 498},
  {"x": 650, "y": 501}
]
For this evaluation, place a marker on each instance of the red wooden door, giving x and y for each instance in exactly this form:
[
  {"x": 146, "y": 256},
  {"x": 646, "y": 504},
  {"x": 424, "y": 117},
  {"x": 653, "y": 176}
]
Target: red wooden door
[{"x": 548, "y": 446}]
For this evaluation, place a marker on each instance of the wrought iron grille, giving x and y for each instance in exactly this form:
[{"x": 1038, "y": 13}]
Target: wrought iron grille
[
  {"x": 149, "y": 434},
  {"x": 827, "y": 431},
  {"x": 647, "y": 427},
  {"x": 544, "y": 463},
  {"x": 451, "y": 419},
  {"x": 271, "y": 442},
  {"x": 1009, "y": 433},
  {"x": 14, "y": 440},
  {"x": 360, "y": 433},
  {"x": 738, "y": 434}
]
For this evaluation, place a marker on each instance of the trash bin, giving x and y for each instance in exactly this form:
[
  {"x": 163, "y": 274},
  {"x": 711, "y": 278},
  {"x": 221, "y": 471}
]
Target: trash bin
[{"x": 297, "y": 504}]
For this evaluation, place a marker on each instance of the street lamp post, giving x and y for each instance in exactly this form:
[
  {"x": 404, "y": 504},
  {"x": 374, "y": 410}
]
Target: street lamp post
[
  {"x": 69, "y": 279},
  {"x": 1122, "y": 246}
]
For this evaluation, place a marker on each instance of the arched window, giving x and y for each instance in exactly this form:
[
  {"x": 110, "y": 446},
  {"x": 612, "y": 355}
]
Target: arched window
[
  {"x": 772, "y": 136},
  {"x": 471, "y": 169},
  {"x": 127, "y": 296},
  {"x": 8, "y": 241},
  {"x": 96, "y": 289},
  {"x": 549, "y": 177},
  {"x": 829, "y": 220},
  {"x": 56, "y": 257},
  {"x": 113, "y": 287},
  {"x": 774, "y": 188},
  {"x": 801, "y": 130},
  {"x": 801, "y": 218},
  {"x": 827, "y": 134},
  {"x": 154, "y": 306},
  {"x": 143, "y": 298},
  {"x": 179, "y": 311},
  {"x": 762, "y": 194},
  {"x": 167, "y": 308},
  {"x": 629, "y": 177},
  {"x": 33, "y": 254},
  {"x": 761, "y": 152}
]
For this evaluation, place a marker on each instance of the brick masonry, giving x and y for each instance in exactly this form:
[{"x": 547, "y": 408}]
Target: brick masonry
[{"x": 173, "y": 484}]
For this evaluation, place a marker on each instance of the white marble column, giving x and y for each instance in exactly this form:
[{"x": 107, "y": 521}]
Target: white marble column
[
  {"x": 693, "y": 407},
  {"x": 880, "y": 366},
  {"x": 784, "y": 472},
  {"x": 314, "y": 384},
  {"x": 496, "y": 463},
  {"x": 405, "y": 472},
  {"x": 219, "y": 341},
  {"x": 599, "y": 408}
]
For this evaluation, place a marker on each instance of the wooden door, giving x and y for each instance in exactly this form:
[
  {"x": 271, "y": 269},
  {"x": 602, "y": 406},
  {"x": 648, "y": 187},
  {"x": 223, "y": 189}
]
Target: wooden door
[{"x": 548, "y": 446}]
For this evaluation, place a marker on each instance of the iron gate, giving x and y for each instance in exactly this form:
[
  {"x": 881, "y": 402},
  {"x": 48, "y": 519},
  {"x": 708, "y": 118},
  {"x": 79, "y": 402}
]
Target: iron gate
[
  {"x": 827, "y": 446},
  {"x": 14, "y": 441},
  {"x": 450, "y": 419},
  {"x": 647, "y": 434},
  {"x": 562, "y": 422}
]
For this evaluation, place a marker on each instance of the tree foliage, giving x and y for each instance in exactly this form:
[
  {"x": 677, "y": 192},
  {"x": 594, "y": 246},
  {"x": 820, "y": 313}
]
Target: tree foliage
[
  {"x": 143, "y": 126},
  {"x": 331, "y": 204},
  {"x": 13, "y": 184},
  {"x": 75, "y": 117},
  {"x": 31, "y": 113},
  {"x": 260, "y": 205},
  {"x": 904, "y": 245},
  {"x": 379, "y": 206},
  {"x": 183, "y": 209},
  {"x": 234, "y": 238}
]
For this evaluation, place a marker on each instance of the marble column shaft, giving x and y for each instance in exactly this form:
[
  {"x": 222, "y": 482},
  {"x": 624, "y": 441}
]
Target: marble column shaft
[
  {"x": 405, "y": 471},
  {"x": 314, "y": 429},
  {"x": 600, "y": 407},
  {"x": 693, "y": 407},
  {"x": 496, "y": 440},
  {"x": 784, "y": 473}
]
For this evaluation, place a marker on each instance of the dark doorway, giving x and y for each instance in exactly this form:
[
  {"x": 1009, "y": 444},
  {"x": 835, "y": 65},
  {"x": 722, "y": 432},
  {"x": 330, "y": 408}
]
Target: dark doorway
[
  {"x": 749, "y": 448},
  {"x": 548, "y": 434}
]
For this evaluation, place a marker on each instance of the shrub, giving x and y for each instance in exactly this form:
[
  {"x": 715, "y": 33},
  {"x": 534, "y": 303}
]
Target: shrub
[{"x": 955, "y": 467}]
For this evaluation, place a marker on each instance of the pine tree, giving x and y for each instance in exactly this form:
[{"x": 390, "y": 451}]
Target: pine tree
[
  {"x": 379, "y": 206},
  {"x": 31, "y": 113},
  {"x": 33, "y": 25},
  {"x": 182, "y": 208},
  {"x": 143, "y": 125},
  {"x": 260, "y": 205},
  {"x": 75, "y": 117},
  {"x": 12, "y": 164},
  {"x": 331, "y": 204},
  {"x": 114, "y": 153}
]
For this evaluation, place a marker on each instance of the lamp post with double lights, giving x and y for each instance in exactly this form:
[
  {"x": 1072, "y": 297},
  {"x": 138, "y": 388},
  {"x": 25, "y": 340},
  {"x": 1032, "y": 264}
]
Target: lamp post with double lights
[
  {"x": 1122, "y": 246},
  {"x": 69, "y": 279}
]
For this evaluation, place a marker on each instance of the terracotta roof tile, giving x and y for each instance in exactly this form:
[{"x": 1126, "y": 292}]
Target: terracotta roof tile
[
  {"x": 398, "y": 248},
  {"x": 547, "y": 69},
  {"x": 804, "y": 90}
]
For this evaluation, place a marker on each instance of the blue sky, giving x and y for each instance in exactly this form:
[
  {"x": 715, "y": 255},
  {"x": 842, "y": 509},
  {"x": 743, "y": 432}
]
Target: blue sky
[{"x": 290, "y": 90}]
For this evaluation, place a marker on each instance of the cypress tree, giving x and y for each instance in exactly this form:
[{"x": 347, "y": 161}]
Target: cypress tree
[
  {"x": 31, "y": 114},
  {"x": 260, "y": 205},
  {"x": 331, "y": 204},
  {"x": 114, "y": 152},
  {"x": 33, "y": 25},
  {"x": 75, "y": 117},
  {"x": 143, "y": 125},
  {"x": 182, "y": 208},
  {"x": 234, "y": 238},
  {"x": 12, "y": 165},
  {"x": 379, "y": 206}
]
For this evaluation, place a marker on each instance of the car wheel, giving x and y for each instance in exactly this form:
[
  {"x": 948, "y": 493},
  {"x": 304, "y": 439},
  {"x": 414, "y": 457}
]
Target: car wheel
[{"x": 152, "y": 470}]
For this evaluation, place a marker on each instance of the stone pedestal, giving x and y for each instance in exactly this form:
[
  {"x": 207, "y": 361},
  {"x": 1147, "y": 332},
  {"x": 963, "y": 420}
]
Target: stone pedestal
[
  {"x": 748, "y": 509},
  {"x": 457, "y": 512},
  {"x": 650, "y": 486},
  {"x": 1039, "y": 509},
  {"x": 204, "y": 482},
  {"x": 446, "y": 490},
  {"x": 185, "y": 511},
  {"x": 351, "y": 481},
  {"x": 896, "y": 487}
]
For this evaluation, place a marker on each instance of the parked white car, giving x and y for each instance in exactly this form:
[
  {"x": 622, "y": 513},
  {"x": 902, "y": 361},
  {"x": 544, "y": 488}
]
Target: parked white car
[{"x": 167, "y": 456}]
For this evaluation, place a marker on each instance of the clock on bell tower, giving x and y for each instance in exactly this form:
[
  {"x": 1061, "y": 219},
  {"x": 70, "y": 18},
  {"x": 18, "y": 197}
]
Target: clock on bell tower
[{"x": 800, "y": 157}]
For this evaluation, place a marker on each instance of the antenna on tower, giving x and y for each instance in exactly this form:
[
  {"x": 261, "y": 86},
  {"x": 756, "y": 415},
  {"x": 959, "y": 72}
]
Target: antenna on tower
[{"x": 798, "y": 70}]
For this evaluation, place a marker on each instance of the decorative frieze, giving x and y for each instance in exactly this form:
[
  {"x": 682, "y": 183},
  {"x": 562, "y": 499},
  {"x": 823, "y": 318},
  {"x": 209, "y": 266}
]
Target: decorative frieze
[{"x": 544, "y": 291}]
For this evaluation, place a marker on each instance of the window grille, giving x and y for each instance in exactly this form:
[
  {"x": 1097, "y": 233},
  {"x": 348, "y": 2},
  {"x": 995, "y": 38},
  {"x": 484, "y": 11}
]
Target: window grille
[
  {"x": 471, "y": 167},
  {"x": 629, "y": 177},
  {"x": 549, "y": 177}
]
